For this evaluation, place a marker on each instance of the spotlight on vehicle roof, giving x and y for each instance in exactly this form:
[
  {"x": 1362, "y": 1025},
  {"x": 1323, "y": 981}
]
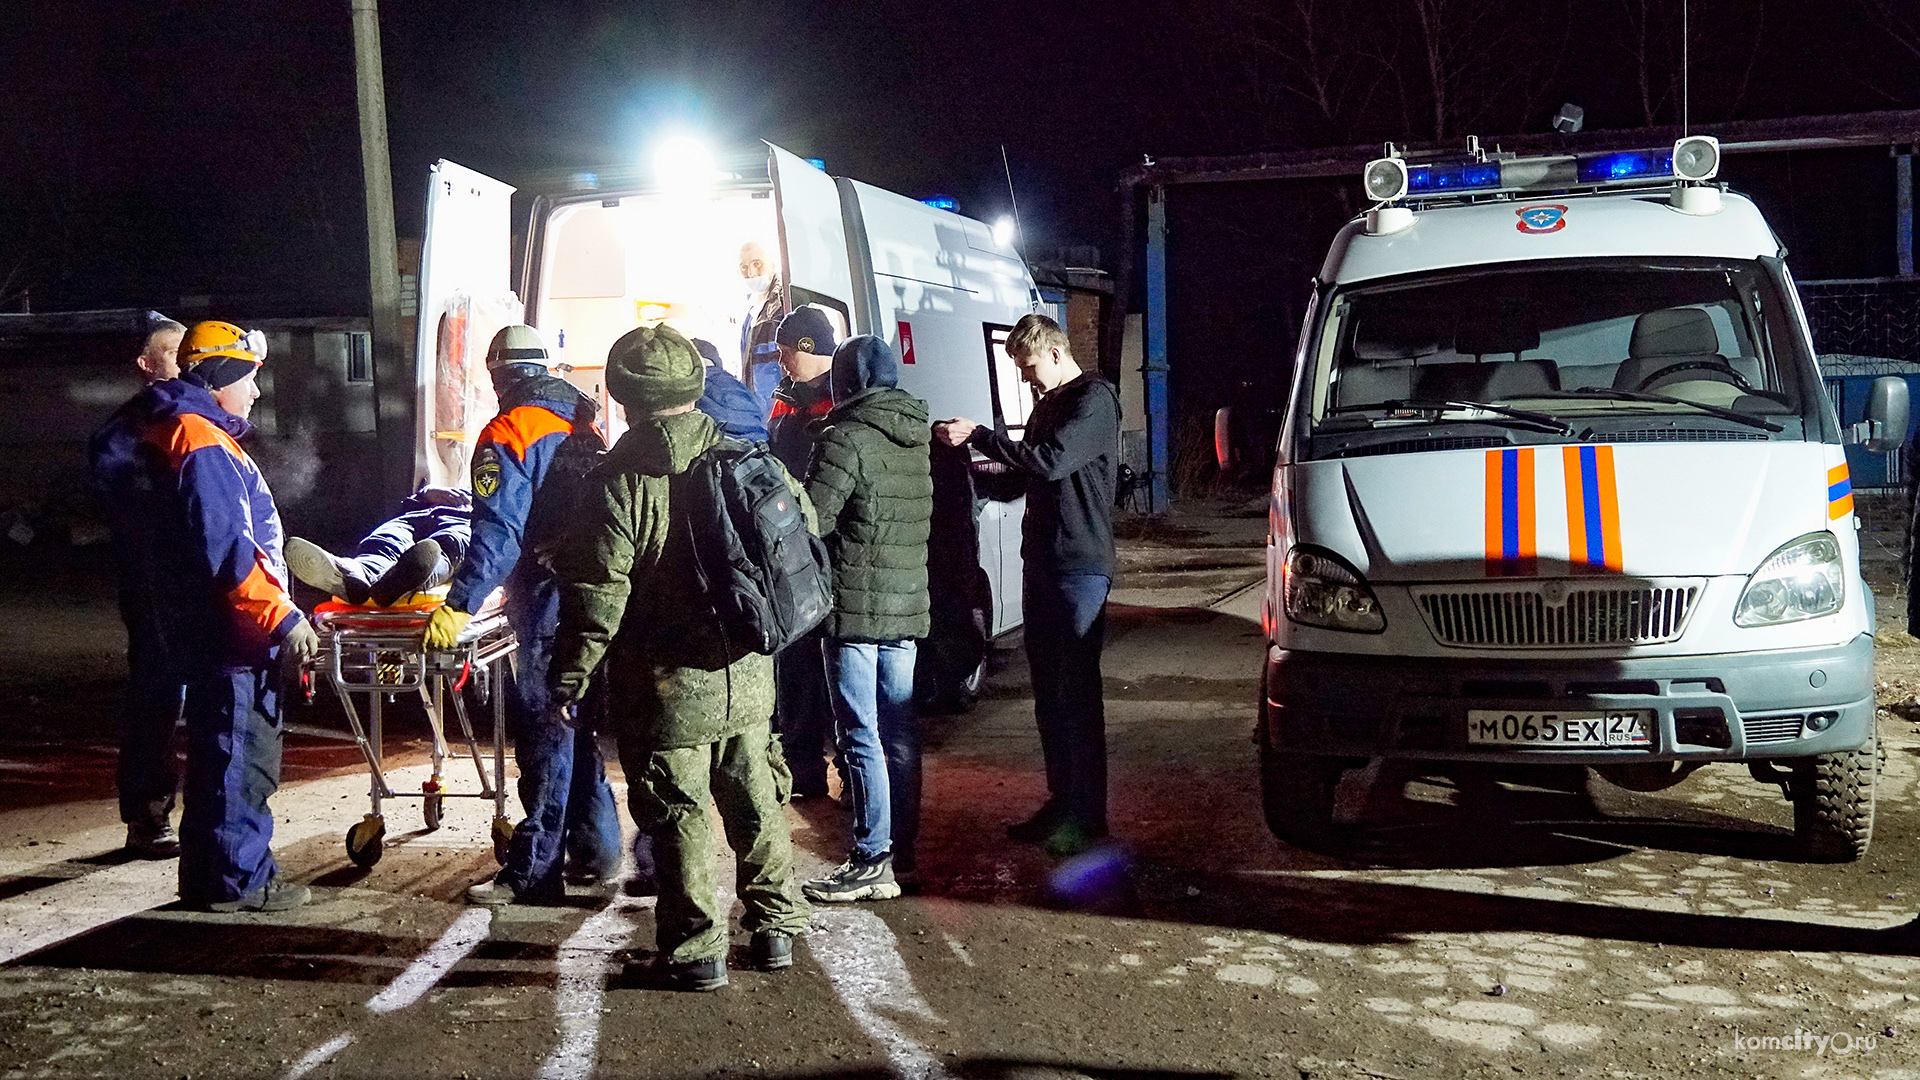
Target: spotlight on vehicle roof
[
  {"x": 1003, "y": 233},
  {"x": 684, "y": 164},
  {"x": 1696, "y": 157},
  {"x": 1385, "y": 179},
  {"x": 1570, "y": 119}
]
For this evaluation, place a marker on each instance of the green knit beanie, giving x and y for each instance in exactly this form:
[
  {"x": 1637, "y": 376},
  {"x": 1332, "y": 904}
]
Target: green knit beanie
[{"x": 654, "y": 368}]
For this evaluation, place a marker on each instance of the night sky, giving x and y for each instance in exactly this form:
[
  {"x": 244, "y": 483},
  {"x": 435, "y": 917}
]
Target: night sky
[{"x": 155, "y": 149}]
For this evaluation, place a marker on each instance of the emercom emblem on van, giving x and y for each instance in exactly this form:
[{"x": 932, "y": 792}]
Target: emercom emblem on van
[{"x": 1551, "y": 217}]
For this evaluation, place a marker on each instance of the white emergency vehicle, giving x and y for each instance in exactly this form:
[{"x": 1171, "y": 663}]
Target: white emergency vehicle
[
  {"x": 1558, "y": 485},
  {"x": 601, "y": 261}
]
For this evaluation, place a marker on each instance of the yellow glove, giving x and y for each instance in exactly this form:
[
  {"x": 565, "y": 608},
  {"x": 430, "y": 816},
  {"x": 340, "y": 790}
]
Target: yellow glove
[{"x": 444, "y": 626}]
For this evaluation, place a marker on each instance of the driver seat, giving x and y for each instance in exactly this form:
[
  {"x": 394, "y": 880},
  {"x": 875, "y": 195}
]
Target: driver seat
[{"x": 1664, "y": 338}]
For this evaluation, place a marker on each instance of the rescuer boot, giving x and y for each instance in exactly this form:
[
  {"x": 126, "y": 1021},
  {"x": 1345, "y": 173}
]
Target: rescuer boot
[
  {"x": 153, "y": 841},
  {"x": 855, "y": 879},
  {"x": 698, "y": 976},
  {"x": 770, "y": 950},
  {"x": 416, "y": 569},
  {"x": 1038, "y": 827},
  {"x": 273, "y": 896},
  {"x": 320, "y": 568}
]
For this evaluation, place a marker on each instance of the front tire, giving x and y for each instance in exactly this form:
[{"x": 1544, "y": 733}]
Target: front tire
[
  {"x": 1297, "y": 796},
  {"x": 1833, "y": 799}
]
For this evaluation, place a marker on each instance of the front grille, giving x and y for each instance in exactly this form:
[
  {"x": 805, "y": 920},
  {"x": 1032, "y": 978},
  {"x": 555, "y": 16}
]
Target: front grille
[
  {"x": 1772, "y": 729},
  {"x": 1521, "y": 616}
]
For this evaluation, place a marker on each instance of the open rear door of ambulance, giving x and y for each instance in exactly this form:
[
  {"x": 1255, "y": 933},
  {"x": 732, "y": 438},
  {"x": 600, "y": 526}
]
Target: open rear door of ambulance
[
  {"x": 465, "y": 297},
  {"x": 813, "y": 237}
]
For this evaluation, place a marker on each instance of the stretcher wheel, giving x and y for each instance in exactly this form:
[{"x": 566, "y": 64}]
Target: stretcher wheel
[
  {"x": 365, "y": 841},
  {"x": 432, "y": 803},
  {"x": 502, "y": 836}
]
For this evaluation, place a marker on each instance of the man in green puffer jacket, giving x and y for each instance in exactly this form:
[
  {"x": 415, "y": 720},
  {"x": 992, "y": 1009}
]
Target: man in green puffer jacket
[
  {"x": 871, "y": 483},
  {"x": 691, "y": 713}
]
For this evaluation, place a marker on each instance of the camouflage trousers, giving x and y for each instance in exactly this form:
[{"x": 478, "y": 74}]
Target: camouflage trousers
[{"x": 668, "y": 792}]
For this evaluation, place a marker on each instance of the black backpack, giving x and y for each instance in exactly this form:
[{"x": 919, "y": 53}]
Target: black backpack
[{"x": 765, "y": 573}]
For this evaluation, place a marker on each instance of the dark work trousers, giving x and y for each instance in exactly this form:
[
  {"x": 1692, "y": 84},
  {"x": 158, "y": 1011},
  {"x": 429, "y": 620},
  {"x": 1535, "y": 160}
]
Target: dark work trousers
[
  {"x": 570, "y": 811},
  {"x": 149, "y": 769},
  {"x": 233, "y": 765},
  {"x": 803, "y": 713},
  {"x": 1066, "y": 626},
  {"x": 449, "y": 526}
]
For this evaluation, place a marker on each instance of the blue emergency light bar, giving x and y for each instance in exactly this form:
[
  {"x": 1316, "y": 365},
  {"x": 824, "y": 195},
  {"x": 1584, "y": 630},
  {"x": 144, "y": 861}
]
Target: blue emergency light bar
[
  {"x": 1691, "y": 160},
  {"x": 941, "y": 202}
]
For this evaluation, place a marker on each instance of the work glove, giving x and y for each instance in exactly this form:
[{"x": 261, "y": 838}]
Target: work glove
[
  {"x": 444, "y": 626},
  {"x": 564, "y": 714},
  {"x": 297, "y": 650}
]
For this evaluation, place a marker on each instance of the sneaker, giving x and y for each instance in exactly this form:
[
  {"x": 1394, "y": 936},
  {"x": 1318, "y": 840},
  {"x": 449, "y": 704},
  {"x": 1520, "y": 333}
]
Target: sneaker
[
  {"x": 319, "y": 568},
  {"x": 697, "y": 976},
  {"x": 494, "y": 893},
  {"x": 412, "y": 571},
  {"x": 770, "y": 950},
  {"x": 1036, "y": 828},
  {"x": 153, "y": 841},
  {"x": 855, "y": 879},
  {"x": 1071, "y": 838},
  {"x": 273, "y": 896}
]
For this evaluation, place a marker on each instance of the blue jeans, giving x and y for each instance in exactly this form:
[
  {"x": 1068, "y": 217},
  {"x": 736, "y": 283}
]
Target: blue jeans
[
  {"x": 1066, "y": 628},
  {"x": 233, "y": 765},
  {"x": 879, "y": 738},
  {"x": 570, "y": 812},
  {"x": 149, "y": 766},
  {"x": 449, "y": 526}
]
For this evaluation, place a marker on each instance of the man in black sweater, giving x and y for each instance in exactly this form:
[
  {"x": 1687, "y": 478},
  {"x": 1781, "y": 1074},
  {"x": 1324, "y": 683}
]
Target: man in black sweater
[{"x": 1069, "y": 454}]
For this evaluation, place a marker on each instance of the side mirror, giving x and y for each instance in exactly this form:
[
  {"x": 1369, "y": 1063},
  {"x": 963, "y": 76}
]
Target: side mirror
[
  {"x": 1887, "y": 415},
  {"x": 1224, "y": 451}
]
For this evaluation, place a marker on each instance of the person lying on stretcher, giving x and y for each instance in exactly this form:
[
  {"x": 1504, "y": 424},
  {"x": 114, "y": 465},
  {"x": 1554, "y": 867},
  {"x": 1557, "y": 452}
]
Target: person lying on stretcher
[{"x": 417, "y": 550}]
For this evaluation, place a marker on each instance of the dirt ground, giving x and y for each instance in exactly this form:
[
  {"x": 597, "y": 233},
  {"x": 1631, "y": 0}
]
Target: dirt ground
[{"x": 1578, "y": 930}]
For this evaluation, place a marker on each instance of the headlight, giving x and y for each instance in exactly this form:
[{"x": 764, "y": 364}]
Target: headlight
[
  {"x": 1322, "y": 590},
  {"x": 1802, "y": 580}
]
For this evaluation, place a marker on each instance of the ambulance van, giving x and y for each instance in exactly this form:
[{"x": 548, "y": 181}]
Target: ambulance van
[
  {"x": 600, "y": 261},
  {"x": 1558, "y": 485}
]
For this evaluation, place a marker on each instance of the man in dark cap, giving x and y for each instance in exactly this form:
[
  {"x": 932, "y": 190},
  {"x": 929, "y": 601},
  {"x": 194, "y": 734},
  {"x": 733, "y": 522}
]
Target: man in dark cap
[
  {"x": 804, "y": 714},
  {"x": 871, "y": 483},
  {"x": 690, "y": 708},
  {"x": 149, "y": 767}
]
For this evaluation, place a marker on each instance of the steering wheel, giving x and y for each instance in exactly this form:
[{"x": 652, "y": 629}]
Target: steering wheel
[{"x": 1724, "y": 371}]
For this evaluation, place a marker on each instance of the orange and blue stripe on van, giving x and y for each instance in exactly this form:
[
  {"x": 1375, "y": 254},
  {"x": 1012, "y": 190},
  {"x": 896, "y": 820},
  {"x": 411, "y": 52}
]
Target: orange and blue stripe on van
[
  {"x": 1593, "y": 508},
  {"x": 1839, "y": 492},
  {"x": 1511, "y": 534}
]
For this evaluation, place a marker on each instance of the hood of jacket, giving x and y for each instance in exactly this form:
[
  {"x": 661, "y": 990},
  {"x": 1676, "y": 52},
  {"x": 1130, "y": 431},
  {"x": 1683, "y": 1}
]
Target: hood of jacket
[
  {"x": 171, "y": 398},
  {"x": 550, "y": 392},
  {"x": 892, "y": 412},
  {"x": 665, "y": 445}
]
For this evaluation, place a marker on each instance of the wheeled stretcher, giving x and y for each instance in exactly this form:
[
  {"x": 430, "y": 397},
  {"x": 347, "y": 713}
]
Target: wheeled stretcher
[{"x": 378, "y": 653}]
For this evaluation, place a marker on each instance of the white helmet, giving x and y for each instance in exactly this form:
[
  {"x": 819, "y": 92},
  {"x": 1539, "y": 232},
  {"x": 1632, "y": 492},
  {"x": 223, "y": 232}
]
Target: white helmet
[{"x": 516, "y": 344}]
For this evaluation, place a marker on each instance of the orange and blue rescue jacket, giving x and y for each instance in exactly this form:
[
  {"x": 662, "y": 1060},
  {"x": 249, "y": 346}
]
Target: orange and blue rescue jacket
[
  {"x": 543, "y": 421},
  {"x": 204, "y": 532}
]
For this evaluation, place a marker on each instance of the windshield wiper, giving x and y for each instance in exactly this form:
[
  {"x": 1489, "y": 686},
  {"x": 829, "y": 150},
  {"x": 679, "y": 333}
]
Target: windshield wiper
[
  {"x": 1535, "y": 419},
  {"x": 1608, "y": 394}
]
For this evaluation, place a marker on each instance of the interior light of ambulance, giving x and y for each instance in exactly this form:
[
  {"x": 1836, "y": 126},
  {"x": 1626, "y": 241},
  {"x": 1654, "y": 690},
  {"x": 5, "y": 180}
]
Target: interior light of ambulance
[
  {"x": 1626, "y": 165},
  {"x": 1438, "y": 179},
  {"x": 684, "y": 165}
]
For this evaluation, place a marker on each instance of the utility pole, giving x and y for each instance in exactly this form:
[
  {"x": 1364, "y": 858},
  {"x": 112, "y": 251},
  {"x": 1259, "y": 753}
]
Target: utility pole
[{"x": 392, "y": 376}]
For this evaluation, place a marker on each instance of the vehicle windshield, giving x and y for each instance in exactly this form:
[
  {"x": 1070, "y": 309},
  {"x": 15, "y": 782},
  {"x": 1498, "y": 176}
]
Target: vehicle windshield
[{"x": 1590, "y": 350}]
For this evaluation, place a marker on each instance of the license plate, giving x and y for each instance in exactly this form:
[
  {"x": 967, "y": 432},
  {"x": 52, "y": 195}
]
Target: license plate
[{"x": 1494, "y": 727}]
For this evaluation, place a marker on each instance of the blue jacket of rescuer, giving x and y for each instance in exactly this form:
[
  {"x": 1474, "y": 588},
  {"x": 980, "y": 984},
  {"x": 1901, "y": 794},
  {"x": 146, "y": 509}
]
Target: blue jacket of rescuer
[
  {"x": 515, "y": 514},
  {"x": 203, "y": 534}
]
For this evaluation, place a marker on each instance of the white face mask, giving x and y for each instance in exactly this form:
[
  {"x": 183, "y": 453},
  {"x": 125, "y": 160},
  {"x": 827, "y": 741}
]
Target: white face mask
[{"x": 757, "y": 284}]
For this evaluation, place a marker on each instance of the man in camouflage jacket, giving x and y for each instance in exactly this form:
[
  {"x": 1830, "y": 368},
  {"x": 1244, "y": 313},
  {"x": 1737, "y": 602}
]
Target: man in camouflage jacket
[{"x": 691, "y": 713}]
